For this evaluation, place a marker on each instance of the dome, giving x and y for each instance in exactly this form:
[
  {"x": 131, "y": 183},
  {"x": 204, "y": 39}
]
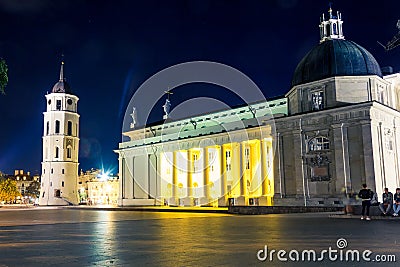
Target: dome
[
  {"x": 62, "y": 86},
  {"x": 335, "y": 57}
]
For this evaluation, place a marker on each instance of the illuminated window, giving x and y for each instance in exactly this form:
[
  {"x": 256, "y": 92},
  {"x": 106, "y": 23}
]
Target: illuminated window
[
  {"x": 318, "y": 143},
  {"x": 317, "y": 100}
]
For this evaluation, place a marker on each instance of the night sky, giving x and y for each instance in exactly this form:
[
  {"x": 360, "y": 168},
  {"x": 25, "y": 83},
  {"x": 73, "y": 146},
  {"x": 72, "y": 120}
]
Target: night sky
[{"x": 112, "y": 47}]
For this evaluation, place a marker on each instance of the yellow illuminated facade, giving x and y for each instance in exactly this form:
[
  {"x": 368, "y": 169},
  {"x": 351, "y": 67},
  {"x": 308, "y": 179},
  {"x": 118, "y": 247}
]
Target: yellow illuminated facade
[{"x": 204, "y": 165}]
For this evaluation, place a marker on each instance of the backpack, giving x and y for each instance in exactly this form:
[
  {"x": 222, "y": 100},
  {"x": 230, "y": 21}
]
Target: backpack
[{"x": 374, "y": 199}]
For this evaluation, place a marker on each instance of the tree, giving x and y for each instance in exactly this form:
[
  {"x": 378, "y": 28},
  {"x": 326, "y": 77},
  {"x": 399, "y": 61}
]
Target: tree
[
  {"x": 8, "y": 190},
  {"x": 33, "y": 190},
  {"x": 3, "y": 76}
]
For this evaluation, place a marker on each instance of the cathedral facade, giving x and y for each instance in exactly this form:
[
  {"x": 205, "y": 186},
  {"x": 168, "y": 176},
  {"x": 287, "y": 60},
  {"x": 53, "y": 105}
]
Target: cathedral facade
[{"x": 335, "y": 129}]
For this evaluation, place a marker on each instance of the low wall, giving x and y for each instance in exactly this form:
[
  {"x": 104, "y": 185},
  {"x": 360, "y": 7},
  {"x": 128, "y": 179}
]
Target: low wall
[
  {"x": 258, "y": 210},
  {"x": 373, "y": 210}
]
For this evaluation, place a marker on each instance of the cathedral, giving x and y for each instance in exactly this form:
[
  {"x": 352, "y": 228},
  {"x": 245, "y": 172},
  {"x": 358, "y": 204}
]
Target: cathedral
[{"x": 335, "y": 129}]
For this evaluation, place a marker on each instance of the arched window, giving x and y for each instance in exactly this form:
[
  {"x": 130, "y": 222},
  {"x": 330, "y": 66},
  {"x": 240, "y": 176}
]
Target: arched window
[
  {"x": 69, "y": 128},
  {"x": 57, "y": 127},
  {"x": 318, "y": 143},
  {"x": 58, "y": 105},
  {"x": 47, "y": 128},
  {"x": 334, "y": 29},
  {"x": 57, "y": 152}
]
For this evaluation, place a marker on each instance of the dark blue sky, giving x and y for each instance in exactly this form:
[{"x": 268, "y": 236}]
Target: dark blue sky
[{"x": 111, "y": 47}]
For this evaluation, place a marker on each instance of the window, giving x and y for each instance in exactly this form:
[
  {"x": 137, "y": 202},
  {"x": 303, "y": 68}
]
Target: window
[
  {"x": 62, "y": 171},
  {"x": 334, "y": 29},
  {"x": 318, "y": 143},
  {"x": 62, "y": 183},
  {"x": 228, "y": 160},
  {"x": 247, "y": 158},
  {"x": 47, "y": 128},
  {"x": 317, "y": 100},
  {"x": 57, "y": 127},
  {"x": 51, "y": 170},
  {"x": 58, "y": 105},
  {"x": 57, "y": 152},
  {"x": 69, "y": 152},
  {"x": 69, "y": 128}
]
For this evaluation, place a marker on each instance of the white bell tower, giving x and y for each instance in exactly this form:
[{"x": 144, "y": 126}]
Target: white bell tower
[{"x": 59, "y": 180}]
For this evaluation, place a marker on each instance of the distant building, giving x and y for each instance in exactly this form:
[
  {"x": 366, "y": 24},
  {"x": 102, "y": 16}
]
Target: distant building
[
  {"x": 23, "y": 180},
  {"x": 98, "y": 188},
  {"x": 103, "y": 192},
  {"x": 336, "y": 128}
]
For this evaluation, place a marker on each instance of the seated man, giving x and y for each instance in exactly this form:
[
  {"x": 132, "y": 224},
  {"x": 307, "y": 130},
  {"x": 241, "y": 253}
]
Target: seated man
[
  {"x": 387, "y": 200},
  {"x": 396, "y": 204}
]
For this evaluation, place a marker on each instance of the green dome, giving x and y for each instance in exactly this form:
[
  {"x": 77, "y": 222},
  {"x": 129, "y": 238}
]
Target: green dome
[{"x": 335, "y": 57}]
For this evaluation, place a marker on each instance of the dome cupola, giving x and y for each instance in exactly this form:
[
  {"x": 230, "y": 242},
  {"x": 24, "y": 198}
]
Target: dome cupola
[
  {"x": 334, "y": 56},
  {"x": 62, "y": 86}
]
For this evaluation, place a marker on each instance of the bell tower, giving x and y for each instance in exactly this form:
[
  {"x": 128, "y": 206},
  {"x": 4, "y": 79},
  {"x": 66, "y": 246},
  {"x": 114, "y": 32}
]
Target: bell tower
[{"x": 59, "y": 180}]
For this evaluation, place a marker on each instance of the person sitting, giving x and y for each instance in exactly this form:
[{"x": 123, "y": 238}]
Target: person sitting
[
  {"x": 366, "y": 195},
  {"x": 396, "y": 204},
  {"x": 387, "y": 200}
]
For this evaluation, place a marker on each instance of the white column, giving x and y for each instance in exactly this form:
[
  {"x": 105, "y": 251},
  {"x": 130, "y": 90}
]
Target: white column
[
  {"x": 190, "y": 163},
  {"x": 206, "y": 173}
]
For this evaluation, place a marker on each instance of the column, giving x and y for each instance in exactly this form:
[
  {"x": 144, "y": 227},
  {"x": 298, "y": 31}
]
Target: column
[
  {"x": 367, "y": 154},
  {"x": 189, "y": 173},
  {"x": 243, "y": 178},
  {"x": 121, "y": 163},
  {"x": 206, "y": 173},
  {"x": 222, "y": 201},
  {"x": 264, "y": 170},
  {"x": 174, "y": 178}
]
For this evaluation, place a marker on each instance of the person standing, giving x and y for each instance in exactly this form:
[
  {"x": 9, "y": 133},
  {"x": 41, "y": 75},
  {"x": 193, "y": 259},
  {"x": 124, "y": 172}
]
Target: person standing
[
  {"x": 387, "y": 200},
  {"x": 396, "y": 204},
  {"x": 366, "y": 195}
]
